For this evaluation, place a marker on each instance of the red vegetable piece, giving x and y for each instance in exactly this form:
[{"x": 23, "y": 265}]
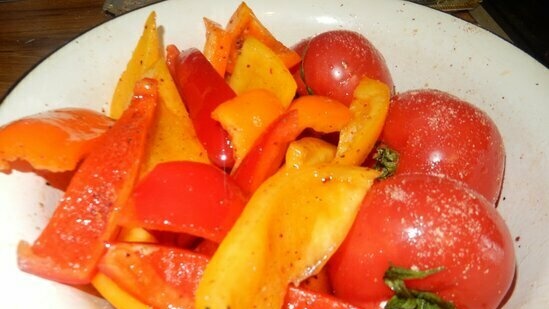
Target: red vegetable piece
[
  {"x": 72, "y": 243},
  {"x": 186, "y": 197},
  {"x": 202, "y": 90},
  {"x": 268, "y": 152},
  {"x": 165, "y": 277}
]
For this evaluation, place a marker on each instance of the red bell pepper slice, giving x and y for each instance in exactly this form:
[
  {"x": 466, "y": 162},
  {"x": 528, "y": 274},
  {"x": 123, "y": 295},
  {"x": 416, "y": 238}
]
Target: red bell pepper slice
[
  {"x": 186, "y": 197},
  {"x": 267, "y": 154},
  {"x": 165, "y": 277},
  {"x": 72, "y": 243},
  {"x": 202, "y": 90}
]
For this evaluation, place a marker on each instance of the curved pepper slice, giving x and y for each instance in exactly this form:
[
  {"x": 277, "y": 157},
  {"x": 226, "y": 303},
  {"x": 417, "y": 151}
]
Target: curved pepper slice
[
  {"x": 321, "y": 113},
  {"x": 167, "y": 277},
  {"x": 186, "y": 197},
  {"x": 72, "y": 243},
  {"x": 202, "y": 90},
  {"x": 66, "y": 136},
  {"x": 246, "y": 116},
  {"x": 290, "y": 227},
  {"x": 369, "y": 109},
  {"x": 309, "y": 151}
]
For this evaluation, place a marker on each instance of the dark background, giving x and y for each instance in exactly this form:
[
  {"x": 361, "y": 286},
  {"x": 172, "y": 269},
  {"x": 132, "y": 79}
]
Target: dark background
[{"x": 526, "y": 22}]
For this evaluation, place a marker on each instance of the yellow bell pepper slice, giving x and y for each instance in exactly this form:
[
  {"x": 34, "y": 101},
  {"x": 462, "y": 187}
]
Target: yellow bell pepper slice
[
  {"x": 258, "y": 67},
  {"x": 115, "y": 295},
  {"x": 290, "y": 227},
  {"x": 145, "y": 54},
  {"x": 246, "y": 116},
  {"x": 173, "y": 136},
  {"x": 309, "y": 151},
  {"x": 369, "y": 109}
]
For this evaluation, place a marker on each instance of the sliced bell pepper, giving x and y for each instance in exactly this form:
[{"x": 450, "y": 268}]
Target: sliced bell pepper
[
  {"x": 243, "y": 23},
  {"x": 217, "y": 46},
  {"x": 145, "y": 54},
  {"x": 369, "y": 109},
  {"x": 290, "y": 227},
  {"x": 246, "y": 116},
  {"x": 309, "y": 151},
  {"x": 67, "y": 135},
  {"x": 172, "y": 136},
  {"x": 73, "y": 241},
  {"x": 267, "y": 153},
  {"x": 167, "y": 277},
  {"x": 202, "y": 90},
  {"x": 186, "y": 197},
  {"x": 258, "y": 67},
  {"x": 115, "y": 295},
  {"x": 321, "y": 113}
]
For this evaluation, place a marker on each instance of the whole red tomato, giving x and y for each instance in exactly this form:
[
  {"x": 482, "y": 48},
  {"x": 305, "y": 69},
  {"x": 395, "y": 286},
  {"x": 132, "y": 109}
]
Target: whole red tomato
[
  {"x": 426, "y": 222},
  {"x": 437, "y": 133},
  {"x": 335, "y": 61}
]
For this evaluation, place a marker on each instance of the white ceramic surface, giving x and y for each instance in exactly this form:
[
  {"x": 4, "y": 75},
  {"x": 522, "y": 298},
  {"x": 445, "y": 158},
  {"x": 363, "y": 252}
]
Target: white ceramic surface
[{"x": 422, "y": 47}]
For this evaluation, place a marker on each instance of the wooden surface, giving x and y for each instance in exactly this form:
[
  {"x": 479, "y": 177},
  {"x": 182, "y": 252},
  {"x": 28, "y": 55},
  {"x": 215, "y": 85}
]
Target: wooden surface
[{"x": 30, "y": 30}]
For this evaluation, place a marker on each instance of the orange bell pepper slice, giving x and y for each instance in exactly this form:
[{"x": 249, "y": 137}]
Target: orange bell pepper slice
[
  {"x": 321, "y": 113},
  {"x": 115, "y": 295},
  {"x": 66, "y": 136},
  {"x": 217, "y": 46},
  {"x": 246, "y": 116},
  {"x": 73, "y": 241},
  {"x": 243, "y": 23}
]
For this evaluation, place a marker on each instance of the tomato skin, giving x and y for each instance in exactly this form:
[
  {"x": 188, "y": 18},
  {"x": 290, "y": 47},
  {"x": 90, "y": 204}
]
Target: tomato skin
[
  {"x": 335, "y": 61},
  {"x": 427, "y": 222},
  {"x": 437, "y": 133}
]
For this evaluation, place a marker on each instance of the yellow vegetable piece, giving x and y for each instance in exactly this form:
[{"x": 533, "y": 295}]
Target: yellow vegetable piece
[
  {"x": 290, "y": 227},
  {"x": 115, "y": 295},
  {"x": 246, "y": 116},
  {"x": 309, "y": 151},
  {"x": 258, "y": 67},
  {"x": 369, "y": 109},
  {"x": 136, "y": 234},
  {"x": 145, "y": 54},
  {"x": 173, "y": 136}
]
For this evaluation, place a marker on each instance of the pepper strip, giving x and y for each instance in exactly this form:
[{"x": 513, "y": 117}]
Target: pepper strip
[
  {"x": 288, "y": 230},
  {"x": 369, "y": 109},
  {"x": 72, "y": 243}
]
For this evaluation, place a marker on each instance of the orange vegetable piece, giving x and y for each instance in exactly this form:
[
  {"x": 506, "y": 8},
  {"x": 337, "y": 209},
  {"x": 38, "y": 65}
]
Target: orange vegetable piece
[
  {"x": 217, "y": 46},
  {"x": 115, "y": 295},
  {"x": 244, "y": 23},
  {"x": 321, "y": 113},
  {"x": 246, "y": 117},
  {"x": 72, "y": 243},
  {"x": 54, "y": 141}
]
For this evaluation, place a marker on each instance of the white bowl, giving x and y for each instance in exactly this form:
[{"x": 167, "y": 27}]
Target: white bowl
[{"x": 422, "y": 47}]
